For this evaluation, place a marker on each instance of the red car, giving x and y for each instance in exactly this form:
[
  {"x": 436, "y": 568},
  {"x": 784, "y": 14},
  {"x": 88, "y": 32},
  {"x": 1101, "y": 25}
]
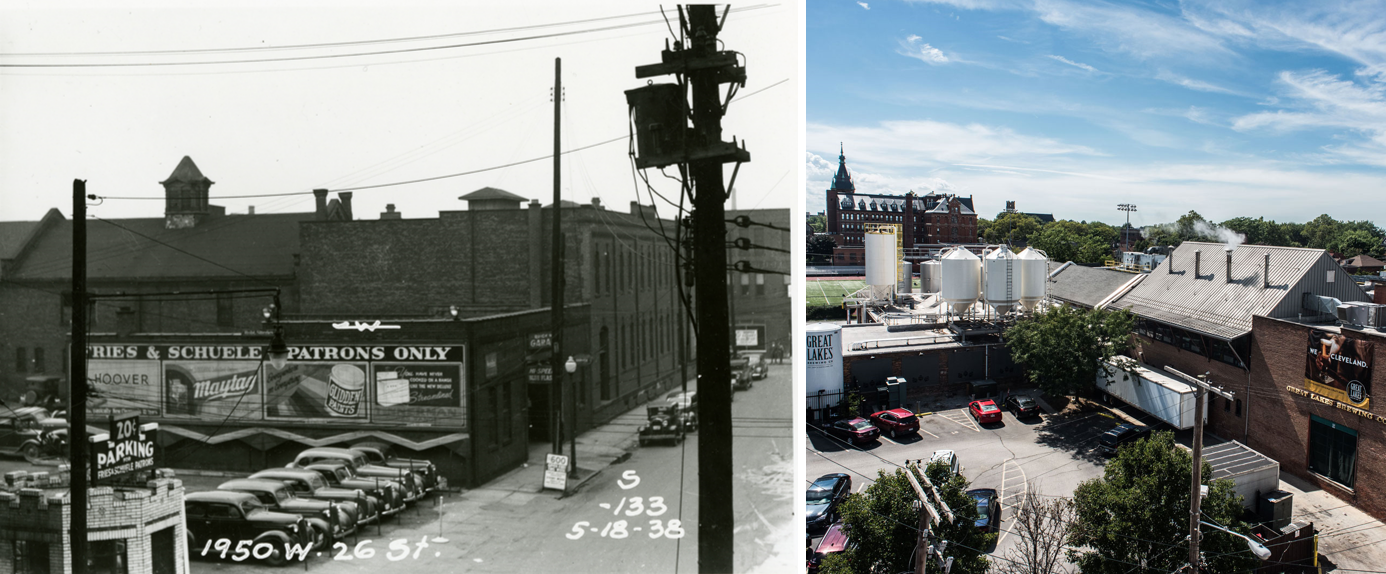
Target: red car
[
  {"x": 854, "y": 431},
  {"x": 985, "y": 411},
  {"x": 895, "y": 422}
]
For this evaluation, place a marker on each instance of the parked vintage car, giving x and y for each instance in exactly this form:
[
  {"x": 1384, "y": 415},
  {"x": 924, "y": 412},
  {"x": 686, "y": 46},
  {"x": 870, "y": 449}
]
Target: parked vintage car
[
  {"x": 305, "y": 483},
  {"x": 339, "y": 474},
  {"x": 238, "y": 516},
  {"x": 758, "y": 369},
  {"x": 329, "y": 522},
  {"x": 662, "y": 424},
  {"x": 412, "y": 482},
  {"x": 20, "y": 431},
  {"x": 383, "y": 454},
  {"x": 687, "y": 403}
]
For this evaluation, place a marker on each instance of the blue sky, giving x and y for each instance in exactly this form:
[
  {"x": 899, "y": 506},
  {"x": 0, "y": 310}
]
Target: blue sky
[{"x": 1071, "y": 106}]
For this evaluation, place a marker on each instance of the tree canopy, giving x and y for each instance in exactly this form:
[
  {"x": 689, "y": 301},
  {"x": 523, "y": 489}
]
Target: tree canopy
[
  {"x": 1138, "y": 514},
  {"x": 1061, "y": 346}
]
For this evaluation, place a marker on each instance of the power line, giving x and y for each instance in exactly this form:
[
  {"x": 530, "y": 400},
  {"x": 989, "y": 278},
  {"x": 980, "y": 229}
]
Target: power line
[{"x": 188, "y": 253}]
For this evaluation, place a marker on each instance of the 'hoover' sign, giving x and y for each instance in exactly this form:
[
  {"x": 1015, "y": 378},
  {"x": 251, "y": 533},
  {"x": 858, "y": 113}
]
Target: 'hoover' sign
[{"x": 128, "y": 448}]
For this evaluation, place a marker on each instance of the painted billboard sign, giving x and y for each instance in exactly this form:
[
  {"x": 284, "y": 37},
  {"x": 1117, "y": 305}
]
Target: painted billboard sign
[
  {"x": 124, "y": 386},
  {"x": 418, "y": 394},
  {"x": 212, "y": 389},
  {"x": 1339, "y": 367},
  {"x": 316, "y": 391}
]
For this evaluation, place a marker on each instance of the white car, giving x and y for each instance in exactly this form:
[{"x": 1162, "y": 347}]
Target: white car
[{"x": 947, "y": 457}]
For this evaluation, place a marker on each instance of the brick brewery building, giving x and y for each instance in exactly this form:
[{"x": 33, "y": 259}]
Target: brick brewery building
[
  {"x": 1261, "y": 322},
  {"x": 925, "y": 220},
  {"x": 461, "y": 302}
]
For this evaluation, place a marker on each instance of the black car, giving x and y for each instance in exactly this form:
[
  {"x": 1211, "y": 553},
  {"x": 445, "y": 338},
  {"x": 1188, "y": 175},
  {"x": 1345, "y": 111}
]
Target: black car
[
  {"x": 1021, "y": 406},
  {"x": 239, "y": 516},
  {"x": 988, "y": 509},
  {"x": 1124, "y": 433},
  {"x": 823, "y": 498}
]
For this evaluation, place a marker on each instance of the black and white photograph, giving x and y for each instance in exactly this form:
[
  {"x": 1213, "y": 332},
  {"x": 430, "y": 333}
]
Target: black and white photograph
[{"x": 363, "y": 287}]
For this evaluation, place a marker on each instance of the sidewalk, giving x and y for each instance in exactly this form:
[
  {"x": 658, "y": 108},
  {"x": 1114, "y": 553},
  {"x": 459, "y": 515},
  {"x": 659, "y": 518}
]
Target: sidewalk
[{"x": 597, "y": 449}]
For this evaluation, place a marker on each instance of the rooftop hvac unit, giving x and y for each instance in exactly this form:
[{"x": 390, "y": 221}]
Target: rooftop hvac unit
[
  {"x": 1365, "y": 314},
  {"x": 1320, "y": 304}
]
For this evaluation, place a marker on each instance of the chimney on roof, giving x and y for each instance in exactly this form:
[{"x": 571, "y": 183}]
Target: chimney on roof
[
  {"x": 1265, "y": 273},
  {"x": 635, "y": 208},
  {"x": 597, "y": 203},
  {"x": 1229, "y": 265},
  {"x": 1198, "y": 262},
  {"x": 320, "y": 203},
  {"x": 345, "y": 196},
  {"x": 390, "y": 212},
  {"x": 250, "y": 211}
]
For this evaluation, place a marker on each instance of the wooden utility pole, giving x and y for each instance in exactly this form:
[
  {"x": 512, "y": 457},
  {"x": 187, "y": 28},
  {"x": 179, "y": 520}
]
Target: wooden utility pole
[
  {"x": 556, "y": 268},
  {"x": 1201, "y": 386},
  {"x": 715, "y": 517},
  {"x": 77, "y": 383}
]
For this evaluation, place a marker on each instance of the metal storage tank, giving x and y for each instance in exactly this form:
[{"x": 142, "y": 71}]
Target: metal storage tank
[
  {"x": 906, "y": 282},
  {"x": 1034, "y": 277},
  {"x": 1001, "y": 279},
  {"x": 962, "y": 279},
  {"x": 930, "y": 277},
  {"x": 881, "y": 264},
  {"x": 823, "y": 360}
]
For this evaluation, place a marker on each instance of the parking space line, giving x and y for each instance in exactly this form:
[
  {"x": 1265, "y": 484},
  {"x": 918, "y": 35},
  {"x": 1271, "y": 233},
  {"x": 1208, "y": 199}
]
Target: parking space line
[
  {"x": 1024, "y": 488},
  {"x": 892, "y": 441},
  {"x": 921, "y": 429},
  {"x": 969, "y": 424}
]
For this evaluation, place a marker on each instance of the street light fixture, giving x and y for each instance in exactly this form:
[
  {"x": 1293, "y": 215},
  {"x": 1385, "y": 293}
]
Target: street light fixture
[
  {"x": 571, "y": 367},
  {"x": 1251, "y": 543},
  {"x": 278, "y": 352}
]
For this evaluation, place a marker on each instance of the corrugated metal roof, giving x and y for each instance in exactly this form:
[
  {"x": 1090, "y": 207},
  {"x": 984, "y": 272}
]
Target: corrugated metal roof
[
  {"x": 1086, "y": 286},
  {"x": 1209, "y": 304}
]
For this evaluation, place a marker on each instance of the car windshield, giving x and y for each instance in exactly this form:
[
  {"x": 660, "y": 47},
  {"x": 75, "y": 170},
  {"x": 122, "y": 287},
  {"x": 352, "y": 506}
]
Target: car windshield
[
  {"x": 281, "y": 495},
  {"x": 982, "y": 501},
  {"x": 250, "y": 504},
  {"x": 360, "y": 461},
  {"x": 818, "y": 496},
  {"x": 903, "y": 417},
  {"x": 863, "y": 425},
  {"x": 344, "y": 474},
  {"x": 990, "y": 408}
]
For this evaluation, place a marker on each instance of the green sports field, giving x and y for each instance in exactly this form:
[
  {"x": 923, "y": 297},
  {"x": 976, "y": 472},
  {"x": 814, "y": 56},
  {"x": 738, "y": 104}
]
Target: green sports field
[{"x": 831, "y": 292}]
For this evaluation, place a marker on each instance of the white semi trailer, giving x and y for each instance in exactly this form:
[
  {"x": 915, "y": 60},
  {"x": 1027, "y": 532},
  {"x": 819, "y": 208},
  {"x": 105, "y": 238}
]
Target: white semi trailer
[{"x": 1153, "y": 392}]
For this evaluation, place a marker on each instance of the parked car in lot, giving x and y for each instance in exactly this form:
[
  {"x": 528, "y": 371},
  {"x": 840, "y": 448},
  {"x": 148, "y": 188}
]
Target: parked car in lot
[
  {"x": 382, "y": 454},
  {"x": 988, "y": 509},
  {"x": 854, "y": 431},
  {"x": 329, "y": 522},
  {"x": 1123, "y": 433},
  {"x": 741, "y": 381},
  {"x": 238, "y": 516},
  {"x": 305, "y": 483},
  {"x": 823, "y": 498},
  {"x": 340, "y": 475},
  {"x": 947, "y": 457},
  {"x": 20, "y": 431},
  {"x": 985, "y": 411},
  {"x": 1021, "y": 406},
  {"x": 895, "y": 422},
  {"x": 412, "y": 482},
  {"x": 687, "y": 404},
  {"x": 834, "y": 541},
  {"x": 758, "y": 369}
]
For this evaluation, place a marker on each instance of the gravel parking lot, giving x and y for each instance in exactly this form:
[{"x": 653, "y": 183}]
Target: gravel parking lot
[{"x": 1050, "y": 453}]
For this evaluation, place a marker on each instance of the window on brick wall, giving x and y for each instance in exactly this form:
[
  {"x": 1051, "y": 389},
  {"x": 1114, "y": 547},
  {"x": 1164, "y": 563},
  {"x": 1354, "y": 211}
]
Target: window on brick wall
[
  {"x": 107, "y": 557},
  {"x": 746, "y": 285},
  {"x": 39, "y": 366},
  {"x": 31, "y": 557},
  {"x": 1332, "y": 450},
  {"x": 493, "y": 403},
  {"x": 604, "y": 364},
  {"x": 760, "y": 290},
  {"x": 21, "y": 360}
]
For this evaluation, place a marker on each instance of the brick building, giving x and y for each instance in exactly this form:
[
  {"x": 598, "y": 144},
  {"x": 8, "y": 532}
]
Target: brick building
[
  {"x": 1251, "y": 319},
  {"x": 926, "y": 220},
  {"x": 130, "y": 530},
  {"x": 759, "y": 296},
  {"x": 474, "y": 281}
]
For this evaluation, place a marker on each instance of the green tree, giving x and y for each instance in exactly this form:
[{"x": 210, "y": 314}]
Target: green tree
[
  {"x": 1138, "y": 513},
  {"x": 818, "y": 223},
  {"x": 1187, "y": 227},
  {"x": 966, "y": 544},
  {"x": 821, "y": 245},
  {"x": 1012, "y": 228},
  {"x": 1354, "y": 242},
  {"x": 1320, "y": 232},
  {"x": 1057, "y": 241},
  {"x": 1061, "y": 346}
]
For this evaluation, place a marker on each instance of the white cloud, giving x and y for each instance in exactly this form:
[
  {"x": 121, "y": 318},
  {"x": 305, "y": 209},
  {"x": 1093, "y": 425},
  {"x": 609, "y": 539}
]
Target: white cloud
[
  {"x": 1073, "y": 63},
  {"x": 1354, "y": 30},
  {"x": 1143, "y": 33},
  {"x": 914, "y": 48},
  {"x": 1324, "y": 101},
  {"x": 925, "y": 143},
  {"x": 864, "y": 5},
  {"x": 1192, "y": 84}
]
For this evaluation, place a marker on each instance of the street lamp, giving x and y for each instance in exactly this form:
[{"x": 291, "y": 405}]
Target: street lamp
[
  {"x": 278, "y": 352},
  {"x": 571, "y": 367},
  {"x": 1251, "y": 543}
]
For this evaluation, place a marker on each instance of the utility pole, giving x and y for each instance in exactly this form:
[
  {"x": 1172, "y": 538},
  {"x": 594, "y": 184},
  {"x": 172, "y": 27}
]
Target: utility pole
[
  {"x": 77, "y": 382},
  {"x": 660, "y": 119},
  {"x": 928, "y": 517},
  {"x": 556, "y": 284},
  {"x": 1201, "y": 387}
]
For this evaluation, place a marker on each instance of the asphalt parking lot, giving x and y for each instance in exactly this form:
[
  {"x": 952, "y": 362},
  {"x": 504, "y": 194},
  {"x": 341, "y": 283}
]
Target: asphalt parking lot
[{"x": 1051, "y": 453}]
